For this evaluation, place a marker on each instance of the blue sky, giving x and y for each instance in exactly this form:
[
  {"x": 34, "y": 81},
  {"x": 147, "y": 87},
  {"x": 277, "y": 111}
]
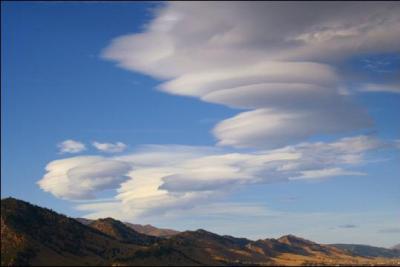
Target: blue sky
[{"x": 60, "y": 81}]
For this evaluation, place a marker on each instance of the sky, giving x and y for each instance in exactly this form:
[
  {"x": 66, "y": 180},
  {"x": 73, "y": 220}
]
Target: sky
[{"x": 253, "y": 119}]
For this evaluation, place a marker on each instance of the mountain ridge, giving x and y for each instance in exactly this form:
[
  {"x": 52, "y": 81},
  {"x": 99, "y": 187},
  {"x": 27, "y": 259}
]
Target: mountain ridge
[
  {"x": 146, "y": 229},
  {"x": 32, "y": 235},
  {"x": 122, "y": 232},
  {"x": 369, "y": 251}
]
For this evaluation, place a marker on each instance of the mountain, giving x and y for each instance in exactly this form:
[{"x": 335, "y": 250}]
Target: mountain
[
  {"x": 201, "y": 247},
  {"x": 369, "y": 251},
  {"x": 84, "y": 221},
  {"x": 151, "y": 230},
  {"x": 143, "y": 229},
  {"x": 32, "y": 235},
  {"x": 121, "y": 232},
  {"x": 396, "y": 247}
]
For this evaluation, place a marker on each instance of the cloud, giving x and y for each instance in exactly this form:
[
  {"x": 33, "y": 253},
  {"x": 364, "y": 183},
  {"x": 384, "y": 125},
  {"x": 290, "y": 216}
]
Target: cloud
[
  {"x": 109, "y": 147},
  {"x": 392, "y": 230},
  {"x": 286, "y": 78},
  {"x": 83, "y": 177},
  {"x": 323, "y": 173},
  {"x": 274, "y": 128},
  {"x": 160, "y": 179},
  {"x": 382, "y": 64},
  {"x": 71, "y": 146},
  {"x": 348, "y": 226},
  {"x": 283, "y": 77},
  {"x": 389, "y": 88},
  {"x": 397, "y": 143}
]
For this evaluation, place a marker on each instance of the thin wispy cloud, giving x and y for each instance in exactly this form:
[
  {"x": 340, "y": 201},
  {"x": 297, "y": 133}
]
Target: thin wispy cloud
[
  {"x": 348, "y": 226},
  {"x": 389, "y": 88},
  {"x": 391, "y": 230},
  {"x": 323, "y": 173},
  {"x": 109, "y": 147}
]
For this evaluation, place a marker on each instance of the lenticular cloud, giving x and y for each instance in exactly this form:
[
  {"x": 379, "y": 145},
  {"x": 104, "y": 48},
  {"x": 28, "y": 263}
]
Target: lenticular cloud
[
  {"x": 277, "y": 59},
  {"x": 83, "y": 177},
  {"x": 159, "y": 179},
  {"x": 277, "y": 64}
]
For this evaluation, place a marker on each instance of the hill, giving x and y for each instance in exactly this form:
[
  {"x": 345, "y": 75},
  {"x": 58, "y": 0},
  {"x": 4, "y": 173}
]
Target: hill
[
  {"x": 369, "y": 251},
  {"x": 143, "y": 229},
  {"x": 151, "y": 230},
  {"x": 121, "y": 232},
  {"x": 32, "y": 235}
]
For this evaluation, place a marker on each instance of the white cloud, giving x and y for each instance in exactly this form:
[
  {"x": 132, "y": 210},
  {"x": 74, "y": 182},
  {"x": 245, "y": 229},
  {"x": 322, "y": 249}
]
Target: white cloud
[
  {"x": 161, "y": 179},
  {"x": 323, "y": 173},
  {"x": 275, "y": 128},
  {"x": 71, "y": 146},
  {"x": 389, "y": 88},
  {"x": 82, "y": 177},
  {"x": 261, "y": 72},
  {"x": 287, "y": 73},
  {"x": 109, "y": 147},
  {"x": 284, "y": 77}
]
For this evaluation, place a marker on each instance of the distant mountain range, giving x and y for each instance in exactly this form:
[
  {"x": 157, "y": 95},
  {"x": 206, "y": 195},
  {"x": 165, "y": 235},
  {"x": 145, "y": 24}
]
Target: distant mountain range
[
  {"x": 31, "y": 235},
  {"x": 143, "y": 229},
  {"x": 368, "y": 251}
]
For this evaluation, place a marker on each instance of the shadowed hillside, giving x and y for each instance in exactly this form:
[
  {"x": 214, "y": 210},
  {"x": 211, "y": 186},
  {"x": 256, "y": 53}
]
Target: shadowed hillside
[
  {"x": 121, "y": 232},
  {"x": 32, "y": 235},
  {"x": 36, "y": 236},
  {"x": 151, "y": 230}
]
